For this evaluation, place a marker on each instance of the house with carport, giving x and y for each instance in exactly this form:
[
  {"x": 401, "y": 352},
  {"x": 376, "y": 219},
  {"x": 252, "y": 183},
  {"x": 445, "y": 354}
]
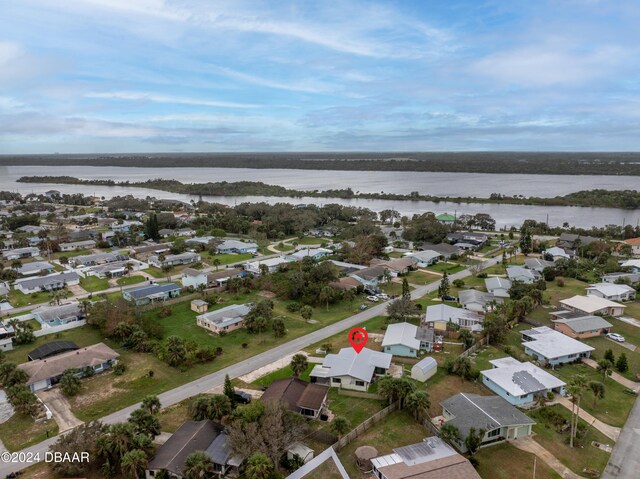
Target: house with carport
[
  {"x": 578, "y": 325},
  {"x": 593, "y": 305},
  {"x": 351, "y": 370},
  {"x": 612, "y": 292},
  {"x": 551, "y": 347},
  {"x": 440, "y": 316}
]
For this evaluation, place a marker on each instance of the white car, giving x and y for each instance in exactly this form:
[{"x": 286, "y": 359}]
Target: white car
[
  {"x": 616, "y": 337},
  {"x": 373, "y": 299},
  {"x": 383, "y": 296}
]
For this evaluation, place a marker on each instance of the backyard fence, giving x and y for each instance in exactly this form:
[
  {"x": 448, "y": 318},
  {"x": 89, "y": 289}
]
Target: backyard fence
[
  {"x": 376, "y": 418},
  {"x": 46, "y": 330},
  {"x": 474, "y": 348},
  {"x": 532, "y": 322},
  {"x": 324, "y": 436},
  {"x": 358, "y": 394}
]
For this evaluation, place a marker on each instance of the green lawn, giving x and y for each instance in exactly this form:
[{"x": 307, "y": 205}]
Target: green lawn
[
  {"x": 633, "y": 309},
  {"x": 341, "y": 340},
  {"x": 602, "y": 344},
  {"x": 504, "y": 461},
  {"x": 156, "y": 272},
  {"x": 355, "y": 410},
  {"x": 486, "y": 354},
  {"x": 93, "y": 284},
  {"x": 71, "y": 254},
  {"x": 420, "y": 277},
  {"x": 129, "y": 280},
  {"x": 392, "y": 288},
  {"x": 225, "y": 258},
  {"x": 284, "y": 247},
  {"x": 21, "y": 431},
  {"x": 309, "y": 240},
  {"x": 576, "y": 458},
  {"x": 441, "y": 267},
  {"x": 283, "y": 373},
  {"x": 17, "y": 299},
  {"x": 630, "y": 332}
]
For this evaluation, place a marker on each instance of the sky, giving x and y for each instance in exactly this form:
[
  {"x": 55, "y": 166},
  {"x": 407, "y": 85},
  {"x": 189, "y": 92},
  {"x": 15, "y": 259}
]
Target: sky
[{"x": 120, "y": 76}]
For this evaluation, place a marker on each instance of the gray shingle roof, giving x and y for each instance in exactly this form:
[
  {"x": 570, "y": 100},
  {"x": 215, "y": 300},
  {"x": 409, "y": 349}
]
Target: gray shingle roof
[{"x": 146, "y": 291}]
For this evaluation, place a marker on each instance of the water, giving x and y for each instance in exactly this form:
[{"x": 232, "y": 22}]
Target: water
[{"x": 440, "y": 184}]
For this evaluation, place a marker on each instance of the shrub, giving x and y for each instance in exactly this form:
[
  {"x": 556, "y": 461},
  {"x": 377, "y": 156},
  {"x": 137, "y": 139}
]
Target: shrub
[
  {"x": 119, "y": 369},
  {"x": 559, "y": 282},
  {"x": 150, "y": 373},
  {"x": 293, "y": 307},
  {"x": 550, "y": 395},
  {"x": 164, "y": 312},
  {"x": 482, "y": 274},
  {"x": 245, "y": 345},
  {"x": 458, "y": 283}
]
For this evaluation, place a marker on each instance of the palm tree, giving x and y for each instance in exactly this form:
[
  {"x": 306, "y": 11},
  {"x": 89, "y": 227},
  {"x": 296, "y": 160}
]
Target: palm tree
[
  {"x": 450, "y": 434},
  {"x": 259, "y": 466},
  {"x": 151, "y": 403},
  {"x": 597, "y": 388},
  {"x": 388, "y": 388},
  {"x": 462, "y": 367},
  {"x": 298, "y": 364},
  {"x": 605, "y": 367},
  {"x": 326, "y": 295},
  {"x": 467, "y": 338},
  {"x": 419, "y": 403},
  {"x": 340, "y": 425},
  {"x": 576, "y": 388},
  {"x": 198, "y": 465},
  {"x": 134, "y": 463},
  {"x": 216, "y": 262}
]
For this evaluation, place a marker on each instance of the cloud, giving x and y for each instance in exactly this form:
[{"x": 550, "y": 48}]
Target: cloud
[{"x": 157, "y": 98}]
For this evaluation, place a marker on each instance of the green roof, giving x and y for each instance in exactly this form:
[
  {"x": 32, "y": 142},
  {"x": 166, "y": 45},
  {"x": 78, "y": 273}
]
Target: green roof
[{"x": 445, "y": 217}]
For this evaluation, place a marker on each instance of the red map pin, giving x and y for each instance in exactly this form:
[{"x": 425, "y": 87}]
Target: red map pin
[{"x": 358, "y": 338}]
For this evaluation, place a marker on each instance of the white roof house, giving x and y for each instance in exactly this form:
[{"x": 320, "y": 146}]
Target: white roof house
[
  {"x": 632, "y": 263},
  {"x": 499, "y": 287},
  {"x": 538, "y": 264},
  {"x": 553, "y": 347},
  {"x": 424, "y": 258},
  {"x": 612, "y": 291},
  {"x": 403, "y": 334},
  {"x": 352, "y": 370},
  {"x": 519, "y": 273},
  {"x": 593, "y": 304},
  {"x": 271, "y": 264},
  {"x": 440, "y": 314},
  {"x": 519, "y": 382},
  {"x": 474, "y": 300},
  {"x": 557, "y": 253},
  {"x": 315, "y": 253}
]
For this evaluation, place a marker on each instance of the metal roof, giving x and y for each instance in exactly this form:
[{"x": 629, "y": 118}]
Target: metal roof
[
  {"x": 519, "y": 379},
  {"x": 403, "y": 334},
  {"x": 552, "y": 344},
  {"x": 146, "y": 291},
  {"x": 358, "y": 365}
]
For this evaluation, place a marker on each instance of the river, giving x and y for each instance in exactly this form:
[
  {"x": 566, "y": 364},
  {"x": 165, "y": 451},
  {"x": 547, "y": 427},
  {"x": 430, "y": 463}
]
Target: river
[{"x": 440, "y": 184}]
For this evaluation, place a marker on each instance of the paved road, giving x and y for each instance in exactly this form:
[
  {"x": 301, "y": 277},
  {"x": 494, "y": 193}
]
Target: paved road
[
  {"x": 624, "y": 462},
  {"x": 216, "y": 379}
]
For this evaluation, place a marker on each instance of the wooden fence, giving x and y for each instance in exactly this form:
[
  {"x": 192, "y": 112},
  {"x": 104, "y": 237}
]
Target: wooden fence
[
  {"x": 376, "y": 418},
  {"x": 474, "y": 348},
  {"x": 359, "y": 394}
]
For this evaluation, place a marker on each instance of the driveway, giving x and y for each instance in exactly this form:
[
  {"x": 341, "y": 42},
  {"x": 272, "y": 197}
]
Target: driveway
[
  {"x": 631, "y": 321},
  {"x": 624, "y": 344},
  {"x": 528, "y": 444},
  {"x": 624, "y": 462},
  {"x": 619, "y": 378},
  {"x": 611, "y": 432},
  {"x": 60, "y": 408}
]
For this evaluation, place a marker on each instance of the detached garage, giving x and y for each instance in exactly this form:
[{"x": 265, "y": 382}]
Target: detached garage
[{"x": 424, "y": 369}]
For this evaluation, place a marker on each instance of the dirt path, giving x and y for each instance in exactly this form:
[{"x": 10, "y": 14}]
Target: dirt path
[
  {"x": 611, "y": 432},
  {"x": 627, "y": 383},
  {"x": 528, "y": 444},
  {"x": 60, "y": 409}
]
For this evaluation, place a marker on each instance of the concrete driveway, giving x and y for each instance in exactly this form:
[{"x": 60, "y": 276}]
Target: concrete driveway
[
  {"x": 624, "y": 344},
  {"x": 59, "y": 406}
]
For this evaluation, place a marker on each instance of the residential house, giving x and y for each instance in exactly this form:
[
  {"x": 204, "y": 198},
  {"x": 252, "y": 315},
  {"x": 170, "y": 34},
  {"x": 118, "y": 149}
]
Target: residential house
[
  {"x": 439, "y": 316},
  {"x": 52, "y": 348},
  {"x": 351, "y": 370},
  {"x": 174, "y": 259},
  {"x": 553, "y": 348},
  {"x": 180, "y": 233},
  {"x": 30, "y": 229},
  {"x": 97, "y": 258},
  {"x": 424, "y": 369},
  {"x": 125, "y": 226},
  {"x": 633, "y": 265},
  {"x": 498, "y": 287},
  {"x": 476, "y": 301},
  {"x": 44, "y": 373},
  {"x": 524, "y": 275},
  {"x": 537, "y": 264},
  {"x": 238, "y": 247},
  {"x": 151, "y": 249},
  {"x": 226, "y": 319},
  {"x": 400, "y": 340},
  {"x": 446, "y": 218},
  {"x": 347, "y": 268},
  {"x": 194, "y": 436},
  {"x": 630, "y": 278},
  {"x": 346, "y": 283},
  {"x": 194, "y": 278},
  {"x": 424, "y": 258},
  {"x": 569, "y": 241},
  {"x": 396, "y": 266},
  {"x": 204, "y": 240},
  {"x": 35, "y": 268},
  {"x": 152, "y": 293},
  {"x": 612, "y": 292},
  {"x": 500, "y": 420},
  {"x": 635, "y": 245},
  {"x": 476, "y": 239},
  {"x": 446, "y": 250},
  {"x": 314, "y": 253},
  {"x": 307, "y": 399},
  {"x": 520, "y": 383},
  {"x": 272, "y": 265},
  {"x": 430, "y": 459},
  {"x": 369, "y": 277},
  {"x": 578, "y": 325},
  {"x": 20, "y": 253},
  {"x": 46, "y": 283},
  {"x": 556, "y": 253},
  {"x": 57, "y": 315},
  {"x": 115, "y": 269},
  {"x": 593, "y": 305},
  {"x": 77, "y": 245}
]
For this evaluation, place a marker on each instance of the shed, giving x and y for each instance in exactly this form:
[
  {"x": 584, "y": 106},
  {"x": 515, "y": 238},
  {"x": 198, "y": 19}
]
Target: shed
[
  {"x": 364, "y": 454},
  {"x": 298, "y": 449},
  {"x": 424, "y": 369},
  {"x": 199, "y": 306}
]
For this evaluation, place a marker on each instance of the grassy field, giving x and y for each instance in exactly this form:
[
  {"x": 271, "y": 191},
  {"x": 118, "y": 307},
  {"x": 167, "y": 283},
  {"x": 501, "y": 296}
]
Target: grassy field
[
  {"x": 355, "y": 410},
  {"x": 284, "y": 247},
  {"x": 156, "y": 272},
  {"x": 93, "y": 284},
  {"x": 341, "y": 340},
  {"x": 392, "y": 288},
  {"x": 71, "y": 254},
  {"x": 504, "y": 461},
  {"x": 173, "y": 417},
  {"x": 21, "y": 431},
  {"x": 225, "y": 258},
  {"x": 420, "y": 277},
  {"x": 129, "y": 280},
  {"x": 441, "y": 267},
  {"x": 397, "y": 429},
  {"x": 283, "y": 373},
  {"x": 442, "y": 386},
  {"x": 327, "y": 470},
  {"x": 602, "y": 344},
  {"x": 630, "y": 332},
  {"x": 576, "y": 458},
  {"x": 17, "y": 299},
  {"x": 309, "y": 240}
]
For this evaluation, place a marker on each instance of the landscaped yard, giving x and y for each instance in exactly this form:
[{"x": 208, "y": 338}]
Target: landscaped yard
[
  {"x": 310, "y": 240},
  {"x": 504, "y": 461},
  {"x": 283, "y": 373},
  {"x": 225, "y": 258},
  {"x": 93, "y": 284},
  {"x": 576, "y": 458},
  {"x": 284, "y": 247},
  {"x": 602, "y": 344},
  {"x": 156, "y": 272},
  {"x": 17, "y": 299},
  {"x": 450, "y": 268},
  {"x": 355, "y": 410},
  {"x": 20, "y": 431},
  {"x": 420, "y": 277},
  {"x": 129, "y": 280},
  {"x": 442, "y": 386}
]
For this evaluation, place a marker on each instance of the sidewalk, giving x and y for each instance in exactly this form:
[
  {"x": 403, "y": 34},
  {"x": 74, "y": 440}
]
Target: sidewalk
[
  {"x": 620, "y": 379},
  {"x": 611, "y": 432},
  {"x": 528, "y": 444}
]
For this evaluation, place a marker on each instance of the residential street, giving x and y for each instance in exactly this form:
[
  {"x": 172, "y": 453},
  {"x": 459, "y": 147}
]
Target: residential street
[
  {"x": 624, "y": 462},
  {"x": 216, "y": 379}
]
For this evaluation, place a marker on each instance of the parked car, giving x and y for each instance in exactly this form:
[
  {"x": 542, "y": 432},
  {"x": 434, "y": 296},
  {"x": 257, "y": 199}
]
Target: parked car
[
  {"x": 362, "y": 307},
  {"x": 616, "y": 337},
  {"x": 448, "y": 297},
  {"x": 242, "y": 397},
  {"x": 383, "y": 296},
  {"x": 373, "y": 299}
]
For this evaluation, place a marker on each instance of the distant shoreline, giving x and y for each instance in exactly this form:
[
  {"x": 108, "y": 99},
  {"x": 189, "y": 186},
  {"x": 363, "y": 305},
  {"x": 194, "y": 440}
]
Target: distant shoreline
[{"x": 531, "y": 163}]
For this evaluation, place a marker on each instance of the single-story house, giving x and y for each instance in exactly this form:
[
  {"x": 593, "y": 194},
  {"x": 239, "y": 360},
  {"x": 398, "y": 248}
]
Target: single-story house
[
  {"x": 469, "y": 237},
  {"x": 369, "y": 277},
  {"x": 400, "y": 340},
  {"x": 446, "y": 218},
  {"x": 199, "y": 306},
  {"x": 194, "y": 278},
  {"x": 30, "y": 229},
  {"x": 618, "y": 278},
  {"x": 446, "y": 250},
  {"x": 500, "y": 420},
  {"x": 570, "y": 241},
  {"x": 220, "y": 278},
  {"x": 272, "y": 265},
  {"x": 226, "y": 319},
  {"x": 44, "y": 373},
  {"x": 125, "y": 226},
  {"x": 52, "y": 348},
  {"x": 549, "y": 346},
  {"x": 476, "y": 301},
  {"x": 57, "y": 315},
  {"x": 20, "y": 253},
  {"x": 351, "y": 370},
  {"x": 174, "y": 259},
  {"x": 592, "y": 305},
  {"x": 612, "y": 292},
  {"x": 537, "y": 264},
  {"x": 498, "y": 287},
  {"x": 519, "y": 273},
  {"x": 635, "y": 245},
  {"x": 35, "y": 268},
  {"x": 77, "y": 245},
  {"x": 205, "y": 240},
  {"x": 424, "y": 258},
  {"x": 520, "y": 383},
  {"x": 632, "y": 264},
  {"x": 235, "y": 246},
  {"x": 151, "y": 293},
  {"x": 47, "y": 283},
  {"x": 151, "y": 249},
  {"x": 345, "y": 283},
  {"x": 438, "y": 316},
  {"x": 580, "y": 325},
  {"x": 396, "y": 266},
  {"x": 203, "y": 436},
  {"x": 430, "y": 459},
  {"x": 556, "y": 253},
  {"x": 315, "y": 253},
  {"x": 305, "y": 398},
  {"x": 115, "y": 269},
  {"x": 424, "y": 369},
  {"x": 98, "y": 258}
]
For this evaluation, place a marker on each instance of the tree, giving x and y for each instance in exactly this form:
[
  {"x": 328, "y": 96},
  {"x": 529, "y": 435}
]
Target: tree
[
  {"x": 259, "y": 317},
  {"x": 525, "y": 242},
  {"x": 395, "y": 389},
  {"x": 22, "y": 399},
  {"x": 462, "y": 367},
  {"x": 306, "y": 312},
  {"x": 70, "y": 382},
  {"x": 228, "y": 389},
  {"x": 212, "y": 407},
  {"x": 450, "y": 434},
  {"x": 152, "y": 229},
  {"x": 609, "y": 356},
  {"x": 175, "y": 351},
  {"x": 216, "y": 262},
  {"x": 576, "y": 388},
  {"x": 259, "y": 466},
  {"x": 597, "y": 388},
  {"x": 467, "y": 338},
  {"x": 402, "y": 309},
  {"x": 606, "y": 368},
  {"x": 198, "y": 465},
  {"x": 151, "y": 403},
  {"x": 443, "y": 289},
  {"x": 326, "y": 295},
  {"x": 298, "y": 364},
  {"x": 279, "y": 328},
  {"x": 622, "y": 364},
  {"x": 340, "y": 426},
  {"x": 419, "y": 403},
  {"x": 406, "y": 290},
  {"x": 474, "y": 440},
  {"x": 144, "y": 422},
  {"x": 134, "y": 463},
  {"x": 81, "y": 438}
]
